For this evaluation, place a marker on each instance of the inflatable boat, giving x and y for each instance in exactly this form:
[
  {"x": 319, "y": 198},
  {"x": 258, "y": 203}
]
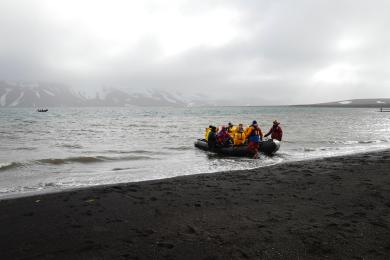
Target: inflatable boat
[{"x": 267, "y": 147}]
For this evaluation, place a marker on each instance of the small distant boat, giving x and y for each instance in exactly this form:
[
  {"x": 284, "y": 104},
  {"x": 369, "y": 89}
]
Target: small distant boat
[
  {"x": 384, "y": 109},
  {"x": 42, "y": 110},
  {"x": 267, "y": 147}
]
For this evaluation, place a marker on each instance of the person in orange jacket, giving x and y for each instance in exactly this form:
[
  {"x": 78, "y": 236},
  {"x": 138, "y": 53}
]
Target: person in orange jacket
[{"x": 255, "y": 135}]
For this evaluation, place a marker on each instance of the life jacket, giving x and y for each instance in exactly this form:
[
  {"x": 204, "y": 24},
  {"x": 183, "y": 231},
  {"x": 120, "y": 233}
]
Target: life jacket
[
  {"x": 255, "y": 134},
  {"x": 239, "y": 138},
  {"x": 247, "y": 131},
  {"x": 207, "y": 131},
  {"x": 232, "y": 130}
]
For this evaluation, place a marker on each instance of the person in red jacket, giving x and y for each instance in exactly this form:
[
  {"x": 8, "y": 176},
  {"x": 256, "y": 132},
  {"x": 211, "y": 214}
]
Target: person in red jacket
[
  {"x": 276, "y": 131},
  {"x": 223, "y": 137}
]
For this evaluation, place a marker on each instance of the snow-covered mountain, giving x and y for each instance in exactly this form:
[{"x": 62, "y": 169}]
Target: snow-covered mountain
[
  {"x": 36, "y": 95},
  {"x": 372, "y": 102},
  {"x": 49, "y": 95}
]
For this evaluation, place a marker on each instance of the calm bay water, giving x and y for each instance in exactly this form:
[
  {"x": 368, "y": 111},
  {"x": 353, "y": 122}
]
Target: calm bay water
[{"x": 74, "y": 147}]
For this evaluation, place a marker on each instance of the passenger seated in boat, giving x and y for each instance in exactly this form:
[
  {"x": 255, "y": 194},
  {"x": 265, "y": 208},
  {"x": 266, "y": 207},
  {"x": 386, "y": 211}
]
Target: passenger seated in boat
[
  {"x": 239, "y": 136},
  {"x": 255, "y": 135},
  {"x": 276, "y": 131},
  {"x": 212, "y": 138},
  {"x": 223, "y": 137},
  {"x": 231, "y": 129}
]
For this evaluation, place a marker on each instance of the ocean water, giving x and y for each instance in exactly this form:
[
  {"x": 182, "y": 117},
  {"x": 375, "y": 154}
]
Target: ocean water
[{"x": 75, "y": 147}]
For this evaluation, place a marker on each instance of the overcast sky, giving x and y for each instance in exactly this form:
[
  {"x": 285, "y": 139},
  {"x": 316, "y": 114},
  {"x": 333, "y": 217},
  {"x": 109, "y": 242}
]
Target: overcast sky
[{"x": 281, "y": 52}]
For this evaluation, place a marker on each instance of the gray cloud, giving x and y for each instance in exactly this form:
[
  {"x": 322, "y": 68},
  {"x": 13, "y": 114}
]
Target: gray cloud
[{"x": 279, "y": 52}]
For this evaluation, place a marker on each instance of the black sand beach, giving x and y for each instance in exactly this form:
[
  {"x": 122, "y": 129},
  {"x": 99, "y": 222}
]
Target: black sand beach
[{"x": 336, "y": 208}]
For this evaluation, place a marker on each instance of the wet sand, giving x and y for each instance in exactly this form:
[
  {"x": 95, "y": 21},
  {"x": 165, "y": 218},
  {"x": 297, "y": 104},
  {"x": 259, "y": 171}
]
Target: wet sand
[{"x": 336, "y": 208}]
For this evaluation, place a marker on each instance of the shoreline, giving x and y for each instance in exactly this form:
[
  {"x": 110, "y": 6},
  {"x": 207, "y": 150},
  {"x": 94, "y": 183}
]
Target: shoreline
[
  {"x": 336, "y": 207},
  {"x": 73, "y": 189}
]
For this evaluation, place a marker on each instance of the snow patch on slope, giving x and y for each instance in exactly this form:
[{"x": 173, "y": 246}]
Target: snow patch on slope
[
  {"x": 168, "y": 98},
  {"x": 3, "y": 98},
  {"x": 49, "y": 92},
  {"x": 17, "y": 101},
  {"x": 345, "y": 102}
]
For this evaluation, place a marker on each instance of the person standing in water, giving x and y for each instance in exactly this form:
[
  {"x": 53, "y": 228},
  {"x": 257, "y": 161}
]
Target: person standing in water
[
  {"x": 255, "y": 135},
  {"x": 276, "y": 131},
  {"x": 212, "y": 138}
]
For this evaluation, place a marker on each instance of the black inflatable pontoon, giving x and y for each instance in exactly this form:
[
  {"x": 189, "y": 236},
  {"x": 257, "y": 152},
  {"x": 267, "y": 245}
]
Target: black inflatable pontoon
[{"x": 268, "y": 147}]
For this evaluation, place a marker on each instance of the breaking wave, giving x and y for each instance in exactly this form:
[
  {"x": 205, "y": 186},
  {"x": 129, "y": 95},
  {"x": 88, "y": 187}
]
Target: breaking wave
[
  {"x": 68, "y": 160},
  {"x": 80, "y": 159},
  {"x": 352, "y": 142},
  {"x": 72, "y": 146},
  {"x": 130, "y": 151},
  {"x": 9, "y": 166},
  {"x": 92, "y": 159},
  {"x": 25, "y": 148},
  {"x": 180, "y": 148}
]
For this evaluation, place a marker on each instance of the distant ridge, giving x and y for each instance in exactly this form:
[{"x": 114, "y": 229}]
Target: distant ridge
[
  {"x": 46, "y": 94},
  {"x": 58, "y": 95},
  {"x": 371, "y": 103}
]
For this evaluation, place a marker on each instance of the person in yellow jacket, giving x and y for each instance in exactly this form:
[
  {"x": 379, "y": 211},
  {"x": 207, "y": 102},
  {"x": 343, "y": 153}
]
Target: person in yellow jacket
[
  {"x": 231, "y": 129},
  {"x": 239, "y": 136}
]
